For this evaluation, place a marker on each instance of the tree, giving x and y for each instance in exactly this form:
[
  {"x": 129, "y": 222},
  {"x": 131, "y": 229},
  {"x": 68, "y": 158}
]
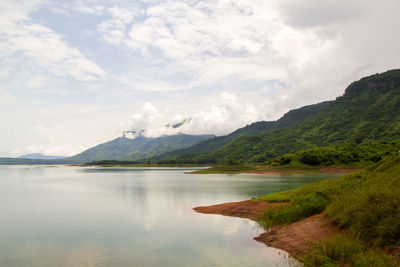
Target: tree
[{"x": 359, "y": 137}]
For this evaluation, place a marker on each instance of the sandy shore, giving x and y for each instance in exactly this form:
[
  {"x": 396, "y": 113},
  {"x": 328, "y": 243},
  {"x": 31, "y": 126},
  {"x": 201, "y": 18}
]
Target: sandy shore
[{"x": 295, "y": 238}]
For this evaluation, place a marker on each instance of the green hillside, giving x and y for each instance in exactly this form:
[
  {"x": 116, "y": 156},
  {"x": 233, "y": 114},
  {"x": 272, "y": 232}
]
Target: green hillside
[
  {"x": 136, "y": 149},
  {"x": 291, "y": 118},
  {"x": 340, "y": 154},
  {"x": 365, "y": 203},
  {"x": 369, "y": 109}
]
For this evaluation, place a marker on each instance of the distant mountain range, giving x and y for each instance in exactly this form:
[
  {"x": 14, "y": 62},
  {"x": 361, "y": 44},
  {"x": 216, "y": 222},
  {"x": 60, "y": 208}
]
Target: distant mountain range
[
  {"x": 39, "y": 156},
  {"x": 121, "y": 148},
  {"x": 291, "y": 118},
  {"x": 369, "y": 107},
  {"x": 139, "y": 148}
]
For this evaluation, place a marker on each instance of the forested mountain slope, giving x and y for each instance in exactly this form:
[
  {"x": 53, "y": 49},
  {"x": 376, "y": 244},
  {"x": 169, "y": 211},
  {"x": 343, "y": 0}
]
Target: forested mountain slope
[
  {"x": 289, "y": 119},
  {"x": 141, "y": 147},
  {"x": 369, "y": 107}
]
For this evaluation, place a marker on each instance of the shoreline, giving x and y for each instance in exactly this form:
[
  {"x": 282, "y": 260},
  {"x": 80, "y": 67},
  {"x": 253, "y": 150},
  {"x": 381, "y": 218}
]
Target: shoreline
[
  {"x": 294, "y": 238},
  {"x": 272, "y": 170},
  {"x": 242, "y": 209}
]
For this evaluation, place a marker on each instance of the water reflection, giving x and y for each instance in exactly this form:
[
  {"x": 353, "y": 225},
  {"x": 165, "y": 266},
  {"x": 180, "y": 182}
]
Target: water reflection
[{"x": 70, "y": 216}]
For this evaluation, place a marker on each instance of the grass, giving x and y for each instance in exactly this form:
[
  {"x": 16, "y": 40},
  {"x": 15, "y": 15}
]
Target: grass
[
  {"x": 367, "y": 203},
  {"x": 227, "y": 169},
  {"x": 326, "y": 187},
  {"x": 308, "y": 206},
  {"x": 345, "y": 251},
  {"x": 290, "y": 168}
]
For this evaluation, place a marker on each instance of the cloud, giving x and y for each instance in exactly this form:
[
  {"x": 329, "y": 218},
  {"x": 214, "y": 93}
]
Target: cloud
[
  {"x": 221, "y": 63},
  {"x": 89, "y": 8},
  {"x": 299, "y": 43},
  {"x": 218, "y": 119},
  {"x": 30, "y": 47},
  {"x": 144, "y": 120},
  {"x": 114, "y": 29},
  {"x": 314, "y": 13},
  {"x": 35, "y": 127},
  {"x": 327, "y": 46},
  {"x": 196, "y": 38}
]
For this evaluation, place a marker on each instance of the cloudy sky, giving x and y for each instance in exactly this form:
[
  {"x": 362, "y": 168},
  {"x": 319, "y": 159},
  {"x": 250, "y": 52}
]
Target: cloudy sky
[{"x": 77, "y": 73}]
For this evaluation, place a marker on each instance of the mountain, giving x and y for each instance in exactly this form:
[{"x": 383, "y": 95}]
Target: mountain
[
  {"x": 291, "y": 118},
  {"x": 141, "y": 147},
  {"x": 23, "y": 161},
  {"x": 369, "y": 108},
  {"x": 39, "y": 156}
]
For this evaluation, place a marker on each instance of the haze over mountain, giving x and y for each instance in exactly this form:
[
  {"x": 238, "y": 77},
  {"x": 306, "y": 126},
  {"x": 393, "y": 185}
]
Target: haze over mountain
[
  {"x": 39, "y": 156},
  {"x": 291, "y": 118},
  {"x": 138, "y": 148}
]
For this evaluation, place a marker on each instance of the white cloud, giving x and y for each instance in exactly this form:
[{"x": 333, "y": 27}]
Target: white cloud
[
  {"x": 211, "y": 41},
  {"x": 229, "y": 114},
  {"x": 315, "y": 13},
  {"x": 114, "y": 29},
  {"x": 270, "y": 55},
  {"x": 89, "y": 7},
  {"x": 300, "y": 43},
  {"x": 30, "y": 47},
  {"x": 146, "y": 118}
]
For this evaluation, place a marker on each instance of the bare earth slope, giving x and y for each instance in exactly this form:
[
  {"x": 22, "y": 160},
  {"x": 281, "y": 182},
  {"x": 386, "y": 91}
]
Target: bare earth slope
[{"x": 294, "y": 238}]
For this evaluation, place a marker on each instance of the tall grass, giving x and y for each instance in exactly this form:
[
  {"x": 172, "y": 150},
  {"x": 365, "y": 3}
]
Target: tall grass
[
  {"x": 345, "y": 251},
  {"x": 372, "y": 213},
  {"x": 307, "y": 200},
  {"x": 300, "y": 208},
  {"x": 366, "y": 203}
]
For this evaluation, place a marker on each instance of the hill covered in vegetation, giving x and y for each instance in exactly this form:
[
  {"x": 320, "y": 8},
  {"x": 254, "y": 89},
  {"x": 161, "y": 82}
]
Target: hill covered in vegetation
[
  {"x": 291, "y": 118},
  {"x": 340, "y": 154},
  {"x": 368, "y": 111},
  {"x": 127, "y": 149},
  {"x": 365, "y": 205}
]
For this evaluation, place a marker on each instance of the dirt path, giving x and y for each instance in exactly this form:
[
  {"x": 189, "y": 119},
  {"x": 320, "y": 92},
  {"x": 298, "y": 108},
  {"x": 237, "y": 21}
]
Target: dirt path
[{"x": 294, "y": 238}]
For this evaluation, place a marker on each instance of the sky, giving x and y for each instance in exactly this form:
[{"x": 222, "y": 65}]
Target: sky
[{"x": 77, "y": 73}]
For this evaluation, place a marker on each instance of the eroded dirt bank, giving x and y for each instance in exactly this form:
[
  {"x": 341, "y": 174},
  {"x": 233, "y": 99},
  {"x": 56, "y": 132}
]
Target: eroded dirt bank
[
  {"x": 294, "y": 238},
  {"x": 242, "y": 209}
]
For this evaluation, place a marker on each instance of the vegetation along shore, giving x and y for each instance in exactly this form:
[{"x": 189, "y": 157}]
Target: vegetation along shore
[{"x": 353, "y": 220}]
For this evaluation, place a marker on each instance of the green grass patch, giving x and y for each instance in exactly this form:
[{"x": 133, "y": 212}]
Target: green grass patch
[
  {"x": 297, "y": 210},
  {"x": 230, "y": 169},
  {"x": 290, "y": 168},
  {"x": 325, "y": 187},
  {"x": 346, "y": 251},
  {"x": 367, "y": 203}
]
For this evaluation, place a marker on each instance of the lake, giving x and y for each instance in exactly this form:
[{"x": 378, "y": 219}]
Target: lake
[{"x": 75, "y": 216}]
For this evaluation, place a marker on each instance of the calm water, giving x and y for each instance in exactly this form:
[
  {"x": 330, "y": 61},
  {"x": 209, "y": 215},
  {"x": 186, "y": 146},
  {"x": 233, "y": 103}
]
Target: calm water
[{"x": 72, "y": 216}]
